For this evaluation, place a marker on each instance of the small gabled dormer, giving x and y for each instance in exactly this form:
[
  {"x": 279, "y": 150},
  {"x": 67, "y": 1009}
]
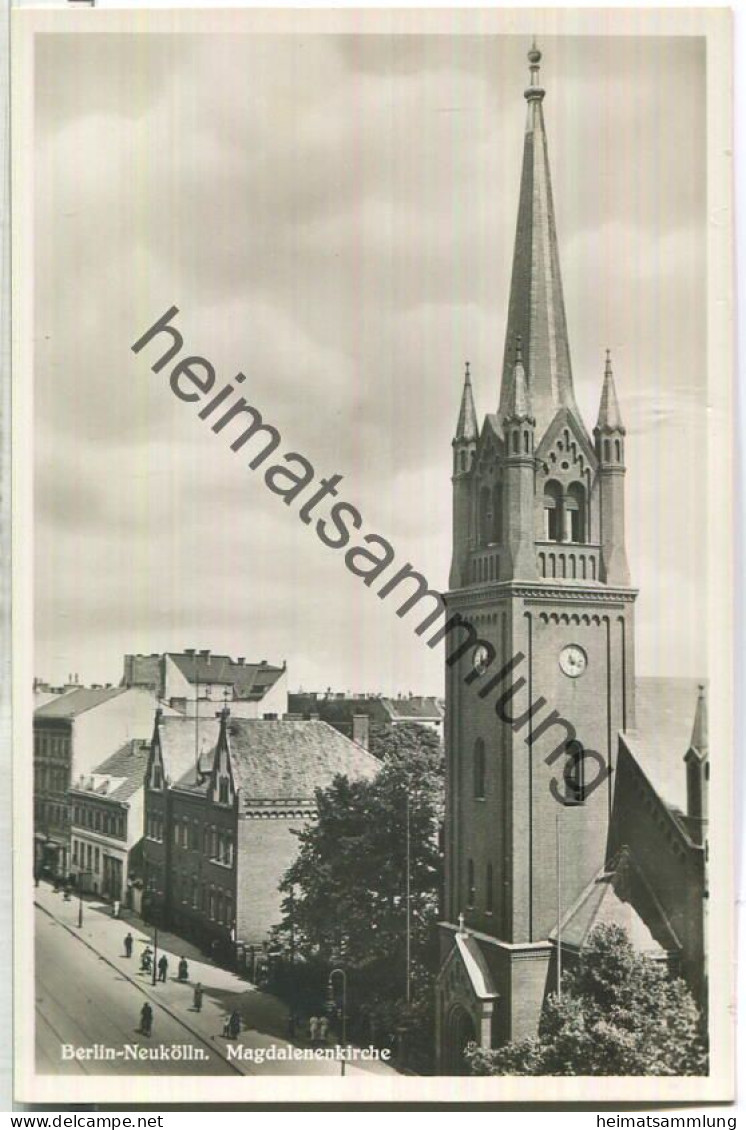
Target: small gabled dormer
[
  {"x": 222, "y": 789},
  {"x": 155, "y": 774}
]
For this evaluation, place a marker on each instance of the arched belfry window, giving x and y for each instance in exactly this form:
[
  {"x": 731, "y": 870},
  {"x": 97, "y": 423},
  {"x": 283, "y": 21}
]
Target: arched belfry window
[
  {"x": 485, "y": 516},
  {"x": 618, "y": 450},
  {"x": 479, "y": 770},
  {"x": 575, "y": 513},
  {"x": 552, "y": 511}
]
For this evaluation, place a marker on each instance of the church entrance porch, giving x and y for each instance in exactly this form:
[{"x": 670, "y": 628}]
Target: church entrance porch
[{"x": 465, "y": 1002}]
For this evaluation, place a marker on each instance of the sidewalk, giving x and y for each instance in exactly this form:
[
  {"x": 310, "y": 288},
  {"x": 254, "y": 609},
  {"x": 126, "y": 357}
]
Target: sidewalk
[{"x": 264, "y": 1018}]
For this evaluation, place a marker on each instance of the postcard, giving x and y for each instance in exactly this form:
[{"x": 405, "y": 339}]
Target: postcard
[{"x": 372, "y": 556}]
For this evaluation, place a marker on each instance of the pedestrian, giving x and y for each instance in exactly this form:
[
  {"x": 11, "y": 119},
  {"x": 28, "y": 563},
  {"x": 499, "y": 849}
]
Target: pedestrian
[
  {"x": 198, "y": 997},
  {"x": 183, "y": 970},
  {"x": 323, "y": 1030},
  {"x": 313, "y": 1029},
  {"x": 234, "y": 1025},
  {"x": 146, "y": 1019},
  {"x": 146, "y": 959},
  {"x": 128, "y": 943},
  {"x": 162, "y": 968},
  {"x": 117, "y": 905}
]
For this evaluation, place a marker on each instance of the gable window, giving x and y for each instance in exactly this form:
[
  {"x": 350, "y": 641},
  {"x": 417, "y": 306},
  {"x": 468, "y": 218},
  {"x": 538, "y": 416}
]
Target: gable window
[
  {"x": 157, "y": 777},
  {"x": 223, "y": 796},
  {"x": 479, "y": 770},
  {"x": 471, "y": 889}
]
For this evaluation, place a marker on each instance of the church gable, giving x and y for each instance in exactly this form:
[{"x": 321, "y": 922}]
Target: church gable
[
  {"x": 566, "y": 508},
  {"x": 155, "y": 776},
  {"x": 222, "y": 787}
]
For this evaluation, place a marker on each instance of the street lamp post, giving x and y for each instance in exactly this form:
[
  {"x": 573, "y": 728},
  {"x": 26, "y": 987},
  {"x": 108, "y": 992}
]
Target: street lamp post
[
  {"x": 341, "y": 973},
  {"x": 81, "y": 877}
]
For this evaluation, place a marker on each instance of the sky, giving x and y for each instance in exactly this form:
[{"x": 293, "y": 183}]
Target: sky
[{"x": 334, "y": 216}]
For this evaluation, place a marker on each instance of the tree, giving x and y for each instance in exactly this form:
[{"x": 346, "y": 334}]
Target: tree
[
  {"x": 620, "y": 1013},
  {"x": 346, "y": 892}
]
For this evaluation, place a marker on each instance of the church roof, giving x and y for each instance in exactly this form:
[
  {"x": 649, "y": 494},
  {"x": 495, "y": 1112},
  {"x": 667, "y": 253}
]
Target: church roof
[
  {"x": 536, "y": 311},
  {"x": 606, "y": 902},
  {"x": 284, "y": 759},
  {"x": 665, "y": 709},
  {"x": 467, "y": 427}
]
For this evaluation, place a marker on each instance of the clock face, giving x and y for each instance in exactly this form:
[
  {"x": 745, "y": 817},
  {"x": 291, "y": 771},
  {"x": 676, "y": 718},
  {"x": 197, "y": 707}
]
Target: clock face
[
  {"x": 573, "y": 660},
  {"x": 480, "y": 658}
]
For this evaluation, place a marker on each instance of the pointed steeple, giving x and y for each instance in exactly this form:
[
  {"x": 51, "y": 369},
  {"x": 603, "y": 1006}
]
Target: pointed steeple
[
  {"x": 518, "y": 401},
  {"x": 537, "y": 308},
  {"x": 609, "y": 416},
  {"x": 467, "y": 428},
  {"x": 699, "y": 743}
]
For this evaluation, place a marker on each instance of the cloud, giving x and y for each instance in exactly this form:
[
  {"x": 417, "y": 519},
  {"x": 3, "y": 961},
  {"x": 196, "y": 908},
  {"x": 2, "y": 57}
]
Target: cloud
[{"x": 334, "y": 217}]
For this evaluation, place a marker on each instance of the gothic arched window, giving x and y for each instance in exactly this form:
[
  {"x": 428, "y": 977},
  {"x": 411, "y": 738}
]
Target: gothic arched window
[
  {"x": 575, "y": 513},
  {"x": 479, "y": 770},
  {"x": 485, "y": 515},
  {"x": 574, "y": 774},
  {"x": 497, "y": 510},
  {"x": 489, "y": 895},
  {"x": 618, "y": 450},
  {"x": 552, "y": 511},
  {"x": 471, "y": 891}
]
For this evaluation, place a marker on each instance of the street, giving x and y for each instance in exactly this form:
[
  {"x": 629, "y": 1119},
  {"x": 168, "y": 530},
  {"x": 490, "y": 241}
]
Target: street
[
  {"x": 89, "y": 997},
  {"x": 84, "y": 1002}
]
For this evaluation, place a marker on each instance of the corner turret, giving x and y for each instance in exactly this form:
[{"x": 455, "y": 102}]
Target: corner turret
[{"x": 609, "y": 435}]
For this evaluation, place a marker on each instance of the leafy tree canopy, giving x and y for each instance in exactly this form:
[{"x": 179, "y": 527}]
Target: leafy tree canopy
[{"x": 619, "y": 1014}]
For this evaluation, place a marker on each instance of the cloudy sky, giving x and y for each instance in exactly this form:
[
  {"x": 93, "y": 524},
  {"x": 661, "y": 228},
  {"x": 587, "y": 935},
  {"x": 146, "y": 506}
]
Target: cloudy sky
[{"x": 334, "y": 216}]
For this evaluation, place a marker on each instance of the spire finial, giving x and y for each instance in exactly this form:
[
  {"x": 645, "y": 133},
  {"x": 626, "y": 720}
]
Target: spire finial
[
  {"x": 534, "y": 59},
  {"x": 608, "y": 362},
  {"x": 468, "y": 374}
]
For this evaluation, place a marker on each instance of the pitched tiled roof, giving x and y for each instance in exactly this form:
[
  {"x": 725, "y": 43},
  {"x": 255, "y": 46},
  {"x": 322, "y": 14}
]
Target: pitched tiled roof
[
  {"x": 275, "y": 759},
  {"x": 73, "y": 703},
  {"x": 121, "y": 774},
  {"x": 603, "y": 902},
  {"x": 249, "y": 680},
  {"x": 665, "y": 713}
]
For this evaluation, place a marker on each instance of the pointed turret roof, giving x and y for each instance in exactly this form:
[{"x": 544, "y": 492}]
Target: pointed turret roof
[
  {"x": 609, "y": 416},
  {"x": 467, "y": 428},
  {"x": 699, "y": 744},
  {"x": 537, "y": 308},
  {"x": 518, "y": 399}
]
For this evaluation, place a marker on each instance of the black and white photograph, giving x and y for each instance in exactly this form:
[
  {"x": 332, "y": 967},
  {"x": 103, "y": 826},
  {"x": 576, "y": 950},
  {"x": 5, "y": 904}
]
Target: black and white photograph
[{"x": 372, "y": 455}]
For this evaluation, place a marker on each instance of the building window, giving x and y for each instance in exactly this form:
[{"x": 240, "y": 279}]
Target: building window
[
  {"x": 195, "y": 892},
  {"x": 552, "y": 511},
  {"x": 97, "y": 861},
  {"x": 574, "y": 774},
  {"x": 575, "y": 513},
  {"x": 489, "y": 897},
  {"x": 157, "y": 777},
  {"x": 75, "y": 851},
  {"x": 471, "y": 892},
  {"x": 223, "y": 791},
  {"x": 479, "y": 770},
  {"x": 497, "y": 510},
  {"x": 485, "y": 515}
]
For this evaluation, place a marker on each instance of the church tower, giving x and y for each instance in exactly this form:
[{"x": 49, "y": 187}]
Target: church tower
[{"x": 540, "y": 648}]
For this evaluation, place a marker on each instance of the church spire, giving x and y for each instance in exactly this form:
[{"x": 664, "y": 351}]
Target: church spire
[
  {"x": 467, "y": 429},
  {"x": 699, "y": 742},
  {"x": 536, "y": 311}
]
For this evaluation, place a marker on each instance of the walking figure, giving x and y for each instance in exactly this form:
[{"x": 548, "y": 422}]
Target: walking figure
[
  {"x": 323, "y": 1030},
  {"x": 198, "y": 991},
  {"x": 162, "y": 968},
  {"x": 117, "y": 905},
  {"x": 146, "y": 1019},
  {"x": 146, "y": 959},
  {"x": 183, "y": 970},
  {"x": 232, "y": 1027},
  {"x": 313, "y": 1028},
  {"x": 128, "y": 943}
]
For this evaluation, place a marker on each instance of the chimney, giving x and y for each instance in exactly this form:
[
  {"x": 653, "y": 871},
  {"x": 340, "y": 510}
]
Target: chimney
[
  {"x": 189, "y": 651},
  {"x": 361, "y": 730},
  {"x": 241, "y": 660}
]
